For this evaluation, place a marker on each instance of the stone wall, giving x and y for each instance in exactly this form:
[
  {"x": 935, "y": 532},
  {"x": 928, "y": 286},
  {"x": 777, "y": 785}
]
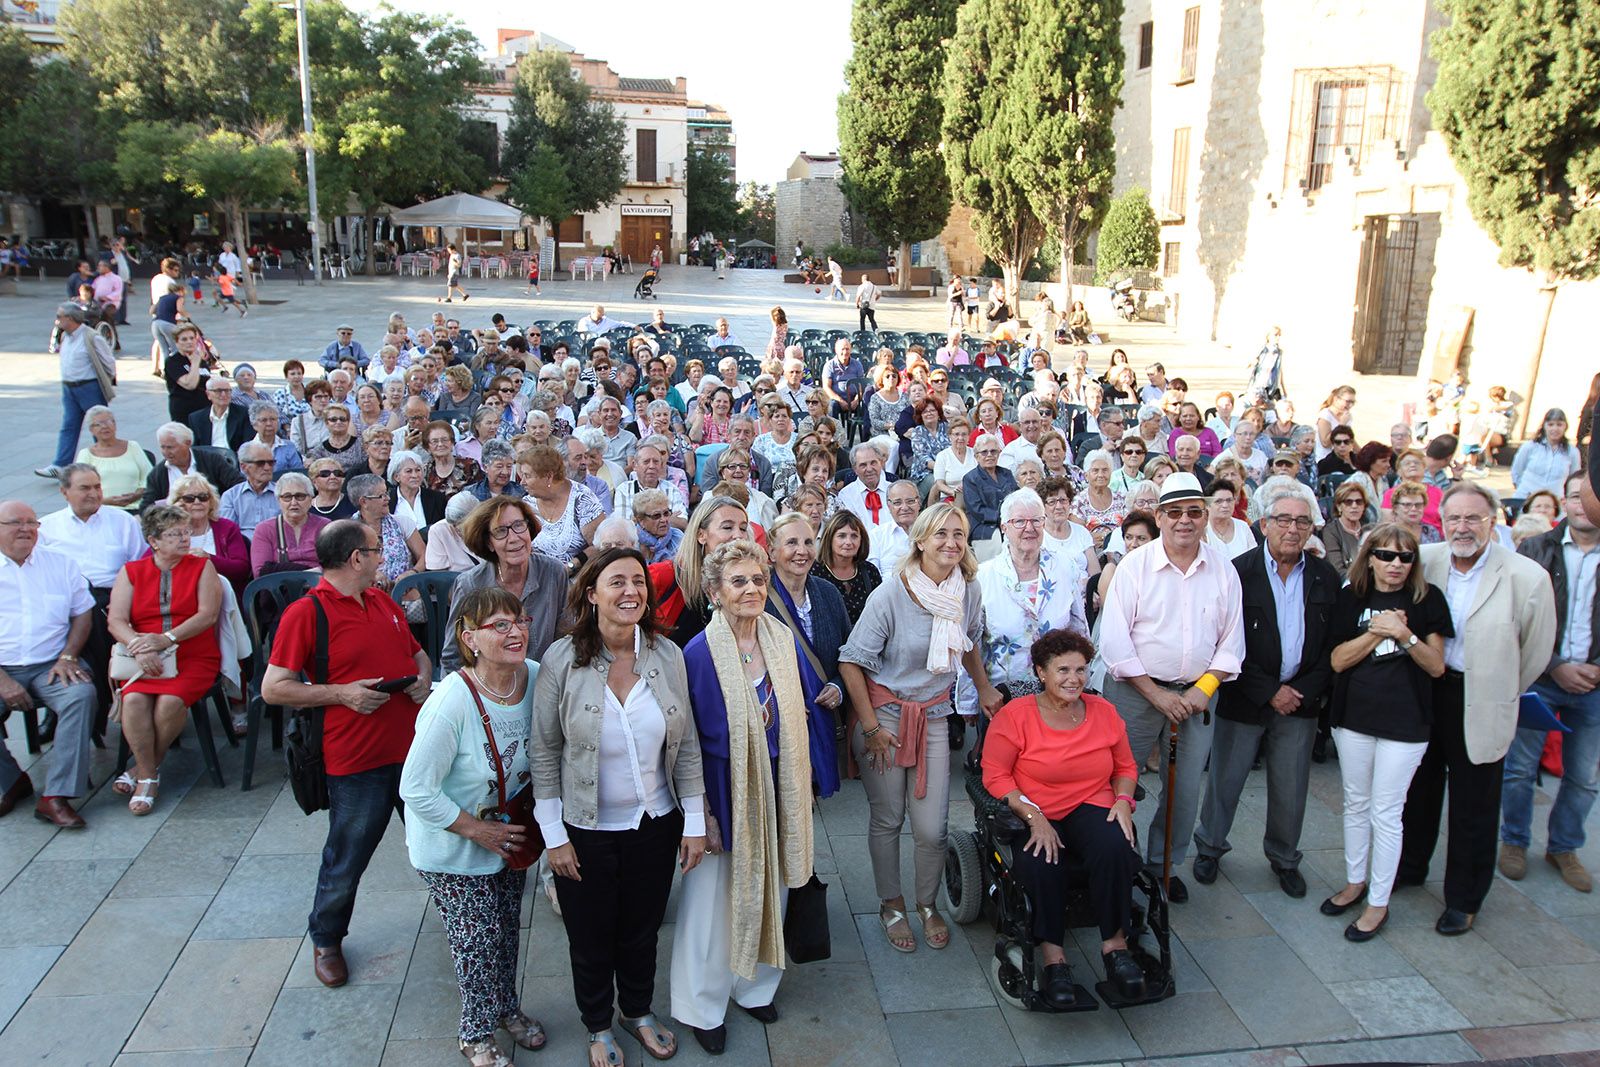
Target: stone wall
[{"x": 808, "y": 209}]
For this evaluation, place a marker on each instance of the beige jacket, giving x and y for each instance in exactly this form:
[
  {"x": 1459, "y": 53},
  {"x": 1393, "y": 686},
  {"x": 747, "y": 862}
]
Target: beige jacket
[
  {"x": 1510, "y": 632},
  {"x": 568, "y": 704}
]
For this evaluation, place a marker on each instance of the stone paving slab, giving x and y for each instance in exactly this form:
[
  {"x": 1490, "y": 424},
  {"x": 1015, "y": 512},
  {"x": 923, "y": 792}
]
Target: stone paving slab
[
  {"x": 1390, "y": 1007},
  {"x": 1272, "y": 992}
]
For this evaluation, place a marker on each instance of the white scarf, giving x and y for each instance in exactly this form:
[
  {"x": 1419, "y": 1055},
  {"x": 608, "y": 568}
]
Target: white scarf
[{"x": 946, "y": 602}]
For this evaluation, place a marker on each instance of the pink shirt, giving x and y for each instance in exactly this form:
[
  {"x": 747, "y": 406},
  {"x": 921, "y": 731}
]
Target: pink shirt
[
  {"x": 108, "y": 288},
  {"x": 1173, "y": 625}
]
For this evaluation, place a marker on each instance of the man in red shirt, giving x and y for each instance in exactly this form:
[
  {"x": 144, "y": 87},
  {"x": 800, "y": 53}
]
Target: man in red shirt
[{"x": 366, "y": 732}]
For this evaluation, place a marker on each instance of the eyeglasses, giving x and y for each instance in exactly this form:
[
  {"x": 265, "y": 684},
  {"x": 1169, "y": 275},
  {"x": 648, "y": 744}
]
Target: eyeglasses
[
  {"x": 1347, "y": 501},
  {"x": 654, "y": 516},
  {"x": 736, "y": 467},
  {"x": 1466, "y": 520},
  {"x": 337, "y": 422},
  {"x": 1290, "y": 522},
  {"x": 256, "y": 462},
  {"x": 192, "y": 498},
  {"x": 1133, "y": 451},
  {"x": 1390, "y": 555},
  {"x": 1193, "y": 514},
  {"x": 506, "y": 389},
  {"x": 504, "y": 626},
  {"x": 23, "y": 524},
  {"x": 500, "y": 533},
  {"x": 328, "y": 474},
  {"x": 1026, "y": 524},
  {"x": 294, "y": 496},
  {"x": 369, "y": 551},
  {"x": 1408, "y": 504}
]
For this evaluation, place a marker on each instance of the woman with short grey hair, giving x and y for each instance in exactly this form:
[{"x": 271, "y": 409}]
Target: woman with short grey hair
[
  {"x": 446, "y": 551},
  {"x": 408, "y": 497},
  {"x": 289, "y": 541},
  {"x": 122, "y": 464},
  {"x": 499, "y": 464},
  {"x": 397, "y": 538}
]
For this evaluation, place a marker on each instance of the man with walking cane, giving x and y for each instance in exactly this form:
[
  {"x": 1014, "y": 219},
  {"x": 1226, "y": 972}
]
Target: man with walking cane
[{"x": 1173, "y": 631}]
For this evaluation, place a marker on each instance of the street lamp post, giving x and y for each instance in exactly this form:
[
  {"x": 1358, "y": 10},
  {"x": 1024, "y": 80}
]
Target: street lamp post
[{"x": 311, "y": 148}]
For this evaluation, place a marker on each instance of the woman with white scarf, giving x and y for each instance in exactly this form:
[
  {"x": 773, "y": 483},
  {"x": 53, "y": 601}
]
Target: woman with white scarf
[
  {"x": 750, "y": 708},
  {"x": 899, "y": 667}
]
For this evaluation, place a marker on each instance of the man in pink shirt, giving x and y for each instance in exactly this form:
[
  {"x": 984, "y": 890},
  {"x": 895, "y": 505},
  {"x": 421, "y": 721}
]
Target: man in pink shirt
[
  {"x": 1173, "y": 631},
  {"x": 108, "y": 289}
]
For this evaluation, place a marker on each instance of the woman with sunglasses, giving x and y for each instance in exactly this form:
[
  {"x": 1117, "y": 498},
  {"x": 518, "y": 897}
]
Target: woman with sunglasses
[
  {"x": 1133, "y": 452},
  {"x": 1343, "y": 534},
  {"x": 341, "y": 443},
  {"x": 1389, "y": 627},
  {"x": 327, "y": 480}
]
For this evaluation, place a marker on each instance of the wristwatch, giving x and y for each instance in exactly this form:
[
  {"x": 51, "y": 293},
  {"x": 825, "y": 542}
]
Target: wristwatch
[{"x": 1411, "y": 642}]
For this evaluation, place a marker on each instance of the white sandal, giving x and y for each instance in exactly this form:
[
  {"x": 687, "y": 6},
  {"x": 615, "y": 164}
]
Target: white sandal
[
  {"x": 144, "y": 800},
  {"x": 485, "y": 1053},
  {"x": 123, "y": 784}
]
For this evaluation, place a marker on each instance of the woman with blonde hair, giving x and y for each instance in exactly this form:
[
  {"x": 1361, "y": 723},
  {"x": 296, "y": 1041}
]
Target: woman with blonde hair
[
  {"x": 681, "y": 602},
  {"x": 899, "y": 667},
  {"x": 217, "y": 539}
]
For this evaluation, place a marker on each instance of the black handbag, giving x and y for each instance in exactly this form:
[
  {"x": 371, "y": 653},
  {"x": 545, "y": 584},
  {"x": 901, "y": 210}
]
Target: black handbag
[
  {"x": 302, "y": 740},
  {"x": 805, "y": 924}
]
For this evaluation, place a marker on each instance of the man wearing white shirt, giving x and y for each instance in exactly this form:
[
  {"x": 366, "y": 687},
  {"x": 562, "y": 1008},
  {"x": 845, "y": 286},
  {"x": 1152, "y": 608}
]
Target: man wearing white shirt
[
  {"x": 43, "y": 626},
  {"x": 864, "y": 496},
  {"x": 724, "y": 337},
  {"x": 597, "y": 322},
  {"x": 649, "y": 465},
  {"x": 866, "y": 301},
  {"x": 229, "y": 260},
  {"x": 793, "y": 390},
  {"x": 1032, "y": 424},
  {"x": 889, "y": 544}
]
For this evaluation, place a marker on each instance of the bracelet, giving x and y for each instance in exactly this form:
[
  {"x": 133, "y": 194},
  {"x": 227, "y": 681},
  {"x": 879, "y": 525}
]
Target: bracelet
[
  {"x": 1207, "y": 683},
  {"x": 1132, "y": 805},
  {"x": 168, "y": 635},
  {"x": 867, "y": 734}
]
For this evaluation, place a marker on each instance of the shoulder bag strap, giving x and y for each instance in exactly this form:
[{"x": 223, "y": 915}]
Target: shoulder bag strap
[
  {"x": 283, "y": 551},
  {"x": 319, "y": 672},
  {"x": 488, "y": 731}
]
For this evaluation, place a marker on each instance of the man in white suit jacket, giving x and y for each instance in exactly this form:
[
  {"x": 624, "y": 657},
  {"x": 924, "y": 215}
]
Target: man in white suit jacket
[{"x": 1503, "y": 608}]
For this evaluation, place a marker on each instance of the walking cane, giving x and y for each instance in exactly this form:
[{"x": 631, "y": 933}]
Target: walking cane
[{"x": 1172, "y": 781}]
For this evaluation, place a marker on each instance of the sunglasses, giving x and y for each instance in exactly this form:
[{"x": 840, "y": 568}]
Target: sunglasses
[
  {"x": 294, "y": 496},
  {"x": 1390, "y": 555},
  {"x": 1194, "y": 514},
  {"x": 193, "y": 498},
  {"x": 328, "y": 474}
]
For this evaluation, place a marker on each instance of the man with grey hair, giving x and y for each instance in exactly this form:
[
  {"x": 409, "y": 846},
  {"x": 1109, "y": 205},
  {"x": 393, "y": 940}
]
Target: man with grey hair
[
  {"x": 265, "y": 419},
  {"x": 254, "y": 500},
  {"x": 81, "y": 351},
  {"x": 844, "y": 384},
  {"x": 1503, "y": 610},
  {"x": 1032, "y": 424},
  {"x": 649, "y": 472},
  {"x": 576, "y": 451},
  {"x": 793, "y": 390},
  {"x": 341, "y": 382},
  {"x": 223, "y": 424},
  {"x": 890, "y": 542},
  {"x": 742, "y": 430},
  {"x": 179, "y": 457},
  {"x": 616, "y": 443},
  {"x": 864, "y": 496},
  {"x": 1289, "y": 597},
  {"x": 615, "y": 531}
]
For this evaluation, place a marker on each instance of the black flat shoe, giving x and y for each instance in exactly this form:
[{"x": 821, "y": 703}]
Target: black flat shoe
[
  {"x": 1205, "y": 869},
  {"x": 766, "y": 1014},
  {"x": 1122, "y": 971},
  {"x": 1177, "y": 892},
  {"x": 1454, "y": 923},
  {"x": 958, "y": 733},
  {"x": 1330, "y": 908},
  {"x": 715, "y": 1042},
  {"x": 1358, "y": 935},
  {"x": 1291, "y": 881},
  {"x": 1057, "y": 987}
]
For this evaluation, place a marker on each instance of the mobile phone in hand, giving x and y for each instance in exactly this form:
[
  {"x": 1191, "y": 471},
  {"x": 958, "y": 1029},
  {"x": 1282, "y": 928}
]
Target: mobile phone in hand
[{"x": 395, "y": 685}]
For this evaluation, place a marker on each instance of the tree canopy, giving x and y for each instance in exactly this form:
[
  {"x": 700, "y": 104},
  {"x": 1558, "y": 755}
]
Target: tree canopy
[
  {"x": 713, "y": 197},
  {"x": 1130, "y": 237},
  {"x": 890, "y": 116},
  {"x": 553, "y": 109}
]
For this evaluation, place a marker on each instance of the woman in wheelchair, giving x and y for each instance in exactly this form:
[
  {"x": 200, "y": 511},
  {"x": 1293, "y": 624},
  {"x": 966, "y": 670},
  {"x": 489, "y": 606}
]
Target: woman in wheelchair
[{"x": 1060, "y": 761}]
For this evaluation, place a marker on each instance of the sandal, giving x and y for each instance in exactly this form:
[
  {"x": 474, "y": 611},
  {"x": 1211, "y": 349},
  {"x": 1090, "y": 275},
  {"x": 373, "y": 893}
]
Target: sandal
[
  {"x": 936, "y": 936},
  {"x": 901, "y": 943},
  {"x": 485, "y": 1053},
  {"x": 123, "y": 784},
  {"x": 526, "y": 1032},
  {"x": 608, "y": 1041},
  {"x": 663, "y": 1037},
  {"x": 144, "y": 799}
]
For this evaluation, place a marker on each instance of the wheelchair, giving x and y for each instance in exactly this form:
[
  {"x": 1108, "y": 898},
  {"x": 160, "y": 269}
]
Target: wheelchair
[{"x": 978, "y": 870}]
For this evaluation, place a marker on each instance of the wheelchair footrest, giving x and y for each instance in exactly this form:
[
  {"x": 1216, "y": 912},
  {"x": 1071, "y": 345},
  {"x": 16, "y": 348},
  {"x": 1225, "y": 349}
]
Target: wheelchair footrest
[
  {"x": 1158, "y": 983},
  {"x": 1082, "y": 1001}
]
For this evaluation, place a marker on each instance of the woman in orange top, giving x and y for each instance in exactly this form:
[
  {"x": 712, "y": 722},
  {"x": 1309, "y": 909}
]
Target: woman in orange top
[{"x": 1060, "y": 760}]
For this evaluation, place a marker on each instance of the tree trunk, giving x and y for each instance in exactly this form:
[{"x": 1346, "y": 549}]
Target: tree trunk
[
  {"x": 1067, "y": 258},
  {"x": 1526, "y": 407},
  {"x": 88, "y": 220},
  {"x": 903, "y": 259},
  {"x": 1011, "y": 272},
  {"x": 369, "y": 234},
  {"x": 239, "y": 230}
]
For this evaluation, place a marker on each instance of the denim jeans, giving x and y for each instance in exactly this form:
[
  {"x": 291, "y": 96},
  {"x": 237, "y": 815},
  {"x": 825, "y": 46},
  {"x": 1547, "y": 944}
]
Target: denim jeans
[
  {"x": 1580, "y": 754},
  {"x": 358, "y": 814},
  {"x": 75, "y": 400}
]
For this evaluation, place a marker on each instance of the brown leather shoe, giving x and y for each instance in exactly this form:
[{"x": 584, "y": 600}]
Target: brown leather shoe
[
  {"x": 1514, "y": 862},
  {"x": 56, "y": 810},
  {"x": 330, "y": 967},
  {"x": 21, "y": 789},
  {"x": 1572, "y": 870}
]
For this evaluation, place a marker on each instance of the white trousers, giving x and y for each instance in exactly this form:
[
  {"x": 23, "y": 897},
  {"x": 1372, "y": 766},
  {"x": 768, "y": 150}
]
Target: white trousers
[
  {"x": 1376, "y": 773},
  {"x": 702, "y": 979}
]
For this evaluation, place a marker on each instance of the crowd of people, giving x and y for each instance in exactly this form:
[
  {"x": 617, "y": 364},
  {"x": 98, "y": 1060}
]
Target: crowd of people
[{"x": 695, "y": 585}]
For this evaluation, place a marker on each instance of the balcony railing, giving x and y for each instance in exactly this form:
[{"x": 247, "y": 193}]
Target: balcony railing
[{"x": 660, "y": 174}]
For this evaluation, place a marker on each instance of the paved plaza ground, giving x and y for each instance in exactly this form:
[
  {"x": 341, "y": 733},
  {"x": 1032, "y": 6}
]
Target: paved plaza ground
[{"x": 180, "y": 938}]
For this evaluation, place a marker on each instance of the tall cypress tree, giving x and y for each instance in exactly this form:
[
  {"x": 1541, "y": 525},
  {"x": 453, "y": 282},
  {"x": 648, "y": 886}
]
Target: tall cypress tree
[
  {"x": 889, "y": 120},
  {"x": 1516, "y": 98}
]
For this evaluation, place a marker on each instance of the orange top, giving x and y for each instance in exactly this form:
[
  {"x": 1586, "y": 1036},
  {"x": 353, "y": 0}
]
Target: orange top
[
  {"x": 225, "y": 283},
  {"x": 1057, "y": 769}
]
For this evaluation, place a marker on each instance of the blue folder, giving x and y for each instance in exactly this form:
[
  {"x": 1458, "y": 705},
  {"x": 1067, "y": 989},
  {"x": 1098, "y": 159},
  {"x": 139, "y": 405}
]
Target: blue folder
[{"x": 1535, "y": 714}]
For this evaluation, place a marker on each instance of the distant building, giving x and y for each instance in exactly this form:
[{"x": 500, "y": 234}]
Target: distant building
[
  {"x": 711, "y": 127},
  {"x": 652, "y": 208},
  {"x": 810, "y": 205},
  {"x": 1299, "y": 180}
]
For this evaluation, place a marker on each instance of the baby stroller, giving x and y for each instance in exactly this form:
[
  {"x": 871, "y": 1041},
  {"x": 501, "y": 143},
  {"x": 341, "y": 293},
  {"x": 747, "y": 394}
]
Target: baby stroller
[
  {"x": 978, "y": 868},
  {"x": 646, "y": 289}
]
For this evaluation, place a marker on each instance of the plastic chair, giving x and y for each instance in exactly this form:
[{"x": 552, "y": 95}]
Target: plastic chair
[
  {"x": 434, "y": 588},
  {"x": 281, "y": 589},
  {"x": 202, "y": 731}
]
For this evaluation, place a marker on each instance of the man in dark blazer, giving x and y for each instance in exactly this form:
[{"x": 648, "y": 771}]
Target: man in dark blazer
[
  {"x": 180, "y": 456},
  {"x": 1289, "y": 597},
  {"x": 235, "y": 418}
]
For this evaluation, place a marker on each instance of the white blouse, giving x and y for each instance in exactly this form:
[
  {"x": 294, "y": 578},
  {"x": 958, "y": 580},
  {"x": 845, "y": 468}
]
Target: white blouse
[{"x": 1244, "y": 539}]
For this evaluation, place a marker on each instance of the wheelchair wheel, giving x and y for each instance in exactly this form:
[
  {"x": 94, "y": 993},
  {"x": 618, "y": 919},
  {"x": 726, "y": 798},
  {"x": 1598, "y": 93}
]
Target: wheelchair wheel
[
  {"x": 1005, "y": 975},
  {"x": 963, "y": 876},
  {"x": 108, "y": 331}
]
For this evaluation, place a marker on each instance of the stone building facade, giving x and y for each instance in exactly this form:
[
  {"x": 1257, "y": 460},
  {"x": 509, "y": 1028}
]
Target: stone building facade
[{"x": 1294, "y": 166}]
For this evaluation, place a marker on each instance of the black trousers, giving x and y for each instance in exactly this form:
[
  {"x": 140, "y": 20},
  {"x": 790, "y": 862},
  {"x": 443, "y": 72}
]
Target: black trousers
[
  {"x": 614, "y": 913},
  {"x": 97, "y": 657},
  {"x": 1095, "y": 844},
  {"x": 868, "y": 315},
  {"x": 1474, "y": 806}
]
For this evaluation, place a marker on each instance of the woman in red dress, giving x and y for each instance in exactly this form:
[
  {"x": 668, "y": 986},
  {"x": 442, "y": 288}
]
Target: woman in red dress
[{"x": 169, "y": 599}]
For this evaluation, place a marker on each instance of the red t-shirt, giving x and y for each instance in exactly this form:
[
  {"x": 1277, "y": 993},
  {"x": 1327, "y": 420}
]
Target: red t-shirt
[
  {"x": 1057, "y": 769},
  {"x": 367, "y": 638},
  {"x": 1007, "y": 432}
]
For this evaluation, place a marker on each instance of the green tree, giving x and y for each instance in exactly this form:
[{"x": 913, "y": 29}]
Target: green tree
[
  {"x": 1130, "y": 236},
  {"x": 551, "y": 107},
  {"x": 758, "y": 212},
  {"x": 1516, "y": 98},
  {"x": 712, "y": 195},
  {"x": 17, "y": 55},
  {"x": 980, "y": 137},
  {"x": 889, "y": 120},
  {"x": 541, "y": 189},
  {"x": 1067, "y": 87},
  {"x": 74, "y": 162}
]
